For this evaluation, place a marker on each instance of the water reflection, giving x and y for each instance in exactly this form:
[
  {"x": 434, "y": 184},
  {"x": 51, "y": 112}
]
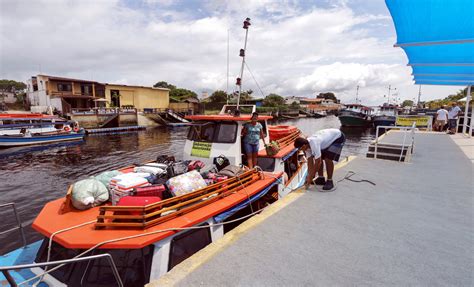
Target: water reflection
[{"x": 32, "y": 176}]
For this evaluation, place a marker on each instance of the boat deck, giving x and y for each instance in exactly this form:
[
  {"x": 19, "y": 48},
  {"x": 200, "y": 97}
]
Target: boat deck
[{"x": 414, "y": 228}]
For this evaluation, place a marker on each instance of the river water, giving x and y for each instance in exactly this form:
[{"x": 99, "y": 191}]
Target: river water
[{"x": 30, "y": 177}]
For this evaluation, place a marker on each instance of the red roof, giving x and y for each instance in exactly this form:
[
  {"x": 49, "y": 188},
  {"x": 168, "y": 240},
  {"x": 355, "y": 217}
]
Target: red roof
[{"x": 225, "y": 118}]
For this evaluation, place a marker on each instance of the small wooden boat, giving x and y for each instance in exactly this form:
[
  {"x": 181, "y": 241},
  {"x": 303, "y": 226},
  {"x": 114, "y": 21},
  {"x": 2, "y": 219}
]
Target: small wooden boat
[
  {"x": 34, "y": 139},
  {"x": 386, "y": 116}
]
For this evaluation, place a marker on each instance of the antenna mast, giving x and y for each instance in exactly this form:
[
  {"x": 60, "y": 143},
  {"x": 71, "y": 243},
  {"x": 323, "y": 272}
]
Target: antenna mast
[
  {"x": 357, "y": 95},
  {"x": 242, "y": 54},
  {"x": 227, "y": 87}
]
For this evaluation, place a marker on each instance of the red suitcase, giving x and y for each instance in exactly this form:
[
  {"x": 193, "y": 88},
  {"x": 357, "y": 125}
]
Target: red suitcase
[
  {"x": 137, "y": 200},
  {"x": 152, "y": 190}
]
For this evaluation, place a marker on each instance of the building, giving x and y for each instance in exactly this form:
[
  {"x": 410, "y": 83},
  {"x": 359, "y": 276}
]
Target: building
[
  {"x": 7, "y": 97},
  {"x": 293, "y": 99},
  {"x": 64, "y": 94},
  {"x": 68, "y": 95},
  {"x": 139, "y": 97}
]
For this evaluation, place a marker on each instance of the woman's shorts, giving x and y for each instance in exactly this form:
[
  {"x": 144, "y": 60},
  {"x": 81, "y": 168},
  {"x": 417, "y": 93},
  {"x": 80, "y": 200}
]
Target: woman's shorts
[
  {"x": 333, "y": 152},
  {"x": 250, "y": 148}
]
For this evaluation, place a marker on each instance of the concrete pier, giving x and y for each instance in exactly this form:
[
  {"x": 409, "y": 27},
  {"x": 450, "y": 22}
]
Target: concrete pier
[{"x": 414, "y": 228}]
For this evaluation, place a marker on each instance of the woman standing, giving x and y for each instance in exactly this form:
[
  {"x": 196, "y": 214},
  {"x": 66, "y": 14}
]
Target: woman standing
[{"x": 252, "y": 133}]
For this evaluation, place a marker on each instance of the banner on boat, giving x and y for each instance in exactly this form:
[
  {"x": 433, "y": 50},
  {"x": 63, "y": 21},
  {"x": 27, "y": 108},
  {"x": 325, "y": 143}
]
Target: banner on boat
[
  {"x": 420, "y": 121},
  {"x": 201, "y": 149}
]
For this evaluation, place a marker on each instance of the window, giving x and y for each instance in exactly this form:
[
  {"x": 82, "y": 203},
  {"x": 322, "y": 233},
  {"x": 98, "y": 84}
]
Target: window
[
  {"x": 227, "y": 132},
  {"x": 134, "y": 266},
  {"x": 64, "y": 87},
  {"x": 221, "y": 132},
  {"x": 86, "y": 89},
  {"x": 188, "y": 243}
]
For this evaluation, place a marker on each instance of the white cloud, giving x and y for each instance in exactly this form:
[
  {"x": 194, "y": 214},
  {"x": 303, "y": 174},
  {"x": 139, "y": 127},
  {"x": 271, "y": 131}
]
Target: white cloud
[{"x": 291, "y": 50}]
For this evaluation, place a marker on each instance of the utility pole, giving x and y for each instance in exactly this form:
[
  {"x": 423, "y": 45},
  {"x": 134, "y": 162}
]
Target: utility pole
[{"x": 419, "y": 96}]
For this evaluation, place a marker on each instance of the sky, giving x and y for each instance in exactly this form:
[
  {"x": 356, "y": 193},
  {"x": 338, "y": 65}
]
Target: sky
[{"x": 295, "y": 48}]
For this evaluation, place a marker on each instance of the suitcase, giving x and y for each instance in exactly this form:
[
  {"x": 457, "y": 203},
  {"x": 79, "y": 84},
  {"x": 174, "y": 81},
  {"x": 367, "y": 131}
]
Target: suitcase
[
  {"x": 137, "y": 200},
  {"x": 152, "y": 190}
]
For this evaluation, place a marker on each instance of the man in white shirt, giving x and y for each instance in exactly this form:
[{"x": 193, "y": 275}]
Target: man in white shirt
[
  {"x": 441, "y": 119},
  {"x": 323, "y": 145},
  {"x": 453, "y": 114}
]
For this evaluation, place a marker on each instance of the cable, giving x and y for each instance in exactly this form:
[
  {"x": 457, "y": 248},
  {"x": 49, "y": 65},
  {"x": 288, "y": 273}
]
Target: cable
[
  {"x": 350, "y": 173},
  {"x": 258, "y": 86}
]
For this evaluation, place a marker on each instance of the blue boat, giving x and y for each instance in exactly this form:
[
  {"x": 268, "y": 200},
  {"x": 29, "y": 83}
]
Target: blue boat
[{"x": 34, "y": 139}]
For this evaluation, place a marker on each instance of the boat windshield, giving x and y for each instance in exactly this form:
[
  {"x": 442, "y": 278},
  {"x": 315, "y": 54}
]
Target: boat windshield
[
  {"x": 134, "y": 266},
  {"x": 216, "y": 132}
]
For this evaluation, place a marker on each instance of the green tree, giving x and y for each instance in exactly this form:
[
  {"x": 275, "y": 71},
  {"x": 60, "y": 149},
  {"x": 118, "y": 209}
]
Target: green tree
[
  {"x": 273, "y": 100},
  {"x": 327, "y": 96},
  {"x": 294, "y": 105},
  {"x": 180, "y": 94},
  {"x": 407, "y": 103},
  {"x": 11, "y": 86},
  {"x": 246, "y": 96},
  {"x": 218, "y": 97},
  {"x": 163, "y": 84}
]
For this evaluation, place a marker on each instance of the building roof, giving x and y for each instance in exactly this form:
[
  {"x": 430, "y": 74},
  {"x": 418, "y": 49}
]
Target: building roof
[
  {"x": 438, "y": 39},
  {"x": 134, "y": 86},
  {"x": 68, "y": 79}
]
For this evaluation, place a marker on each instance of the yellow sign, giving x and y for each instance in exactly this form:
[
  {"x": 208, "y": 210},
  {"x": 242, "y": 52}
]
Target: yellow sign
[
  {"x": 420, "y": 121},
  {"x": 201, "y": 149}
]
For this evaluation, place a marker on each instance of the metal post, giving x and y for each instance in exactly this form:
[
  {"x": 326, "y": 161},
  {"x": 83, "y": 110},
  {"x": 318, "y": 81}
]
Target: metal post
[
  {"x": 227, "y": 87},
  {"x": 466, "y": 110},
  {"x": 472, "y": 114},
  {"x": 242, "y": 68}
]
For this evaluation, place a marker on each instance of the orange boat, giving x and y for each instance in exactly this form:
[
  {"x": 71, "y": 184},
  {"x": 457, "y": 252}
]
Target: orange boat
[{"x": 145, "y": 242}]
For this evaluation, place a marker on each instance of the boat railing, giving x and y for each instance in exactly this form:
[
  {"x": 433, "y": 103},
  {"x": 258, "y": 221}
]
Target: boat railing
[
  {"x": 5, "y": 269},
  {"x": 19, "y": 225},
  {"x": 406, "y": 129}
]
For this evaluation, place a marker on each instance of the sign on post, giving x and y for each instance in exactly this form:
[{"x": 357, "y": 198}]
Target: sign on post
[{"x": 420, "y": 121}]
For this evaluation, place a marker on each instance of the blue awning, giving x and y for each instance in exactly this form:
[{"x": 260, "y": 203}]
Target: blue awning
[{"x": 438, "y": 39}]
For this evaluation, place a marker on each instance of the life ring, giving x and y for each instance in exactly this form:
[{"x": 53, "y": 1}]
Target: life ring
[
  {"x": 67, "y": 128},
  {"x": 76, "y": 129}
]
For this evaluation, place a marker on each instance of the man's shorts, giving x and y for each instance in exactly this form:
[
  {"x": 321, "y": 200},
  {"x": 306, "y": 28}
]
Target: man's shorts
[
  {"x": 251, "y": 148},
  {"x": 452, "y": 123},
  {"x": 440, "y": 123},
  {"x": 333, "y": 152}
]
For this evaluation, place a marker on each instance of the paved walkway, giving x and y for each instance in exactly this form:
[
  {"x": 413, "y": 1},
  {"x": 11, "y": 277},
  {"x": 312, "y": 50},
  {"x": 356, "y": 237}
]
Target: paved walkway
[{"x": 414, "y": 228}]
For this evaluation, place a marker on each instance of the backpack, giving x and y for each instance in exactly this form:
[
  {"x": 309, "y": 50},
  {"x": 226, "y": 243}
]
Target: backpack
[
  {"x": 176, "y": 168},
  {"x": 220, "y": 162}
]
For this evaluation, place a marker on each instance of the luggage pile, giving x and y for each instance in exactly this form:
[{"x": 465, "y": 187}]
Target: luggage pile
[{"x": 152, "y": 182}]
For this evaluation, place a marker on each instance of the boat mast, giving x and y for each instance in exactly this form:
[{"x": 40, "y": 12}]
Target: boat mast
[
  {"x": 242, "y": 54},
  {"x": 357, "y": 95},
  {"x": 227, "y": 86}
]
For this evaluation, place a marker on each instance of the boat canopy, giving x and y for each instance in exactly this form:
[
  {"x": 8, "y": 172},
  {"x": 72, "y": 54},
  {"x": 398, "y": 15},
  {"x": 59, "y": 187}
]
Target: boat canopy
[{"x": 438, "y": 39}]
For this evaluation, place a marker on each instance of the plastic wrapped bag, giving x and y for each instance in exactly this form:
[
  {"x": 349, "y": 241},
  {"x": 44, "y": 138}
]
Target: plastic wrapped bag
[
  {"x": 88, "y": 193},
  {"x": 186, "y": 183},
  {"x": 106, "y": 176}
]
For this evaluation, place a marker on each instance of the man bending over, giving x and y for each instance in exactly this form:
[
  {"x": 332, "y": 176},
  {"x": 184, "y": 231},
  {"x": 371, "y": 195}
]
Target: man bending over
[{"x": 325, "y": 145}]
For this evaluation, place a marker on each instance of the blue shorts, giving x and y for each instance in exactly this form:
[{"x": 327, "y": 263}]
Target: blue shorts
[{"x": 250, "y": 148}]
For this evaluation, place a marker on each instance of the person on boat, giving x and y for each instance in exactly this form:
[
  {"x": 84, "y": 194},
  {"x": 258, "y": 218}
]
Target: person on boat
[
  {"x": 252, "y": 133},
  {"x": 325, "y": 145},
  {"x": 441, "y": 118},
  {"x": 453, "y": 114}
]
